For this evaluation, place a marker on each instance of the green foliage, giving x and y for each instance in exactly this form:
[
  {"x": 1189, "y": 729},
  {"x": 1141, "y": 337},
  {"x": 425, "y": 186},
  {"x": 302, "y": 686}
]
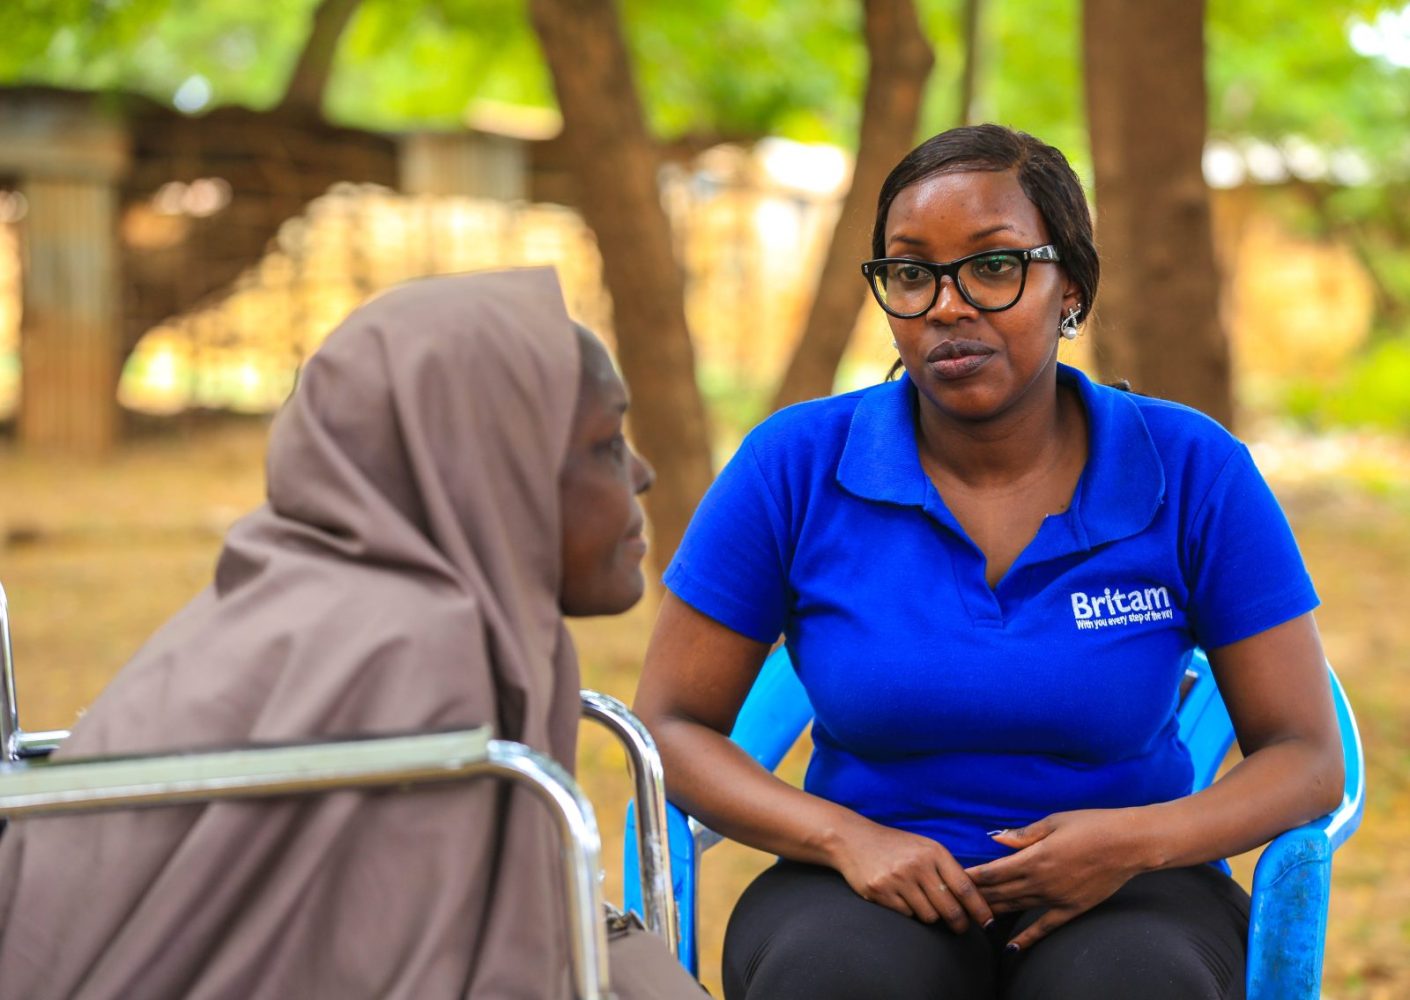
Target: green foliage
[
  {"x": 1286, "y": 67},
  {"x": 405, "y": 64},
  {"x": 153, "y": 46},
  {"x": 1030, "y": 75},
  {"x": 751, "y": 67},
  {"x": 1372, "y": 394},
  {"x": 1276, "y": 67}
]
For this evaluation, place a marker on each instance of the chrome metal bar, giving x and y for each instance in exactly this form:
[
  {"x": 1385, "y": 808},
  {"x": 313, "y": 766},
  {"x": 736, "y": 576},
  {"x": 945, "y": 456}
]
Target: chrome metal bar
[
  {"x": 653, "y": 857},
  {"x": 122, "y": 782},
  {"x": 9, "y": 705},
  {"x": 37, "y": 789},
  {"x": 582, "y": 859},
  {"x": 39, "y": 744}
]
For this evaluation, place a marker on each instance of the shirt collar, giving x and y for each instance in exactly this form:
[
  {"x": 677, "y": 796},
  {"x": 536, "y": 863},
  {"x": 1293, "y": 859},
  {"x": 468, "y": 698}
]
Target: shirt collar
[{"x": 1122, "y": 486}]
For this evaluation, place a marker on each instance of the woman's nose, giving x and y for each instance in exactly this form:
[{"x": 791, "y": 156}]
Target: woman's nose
[
  {"x": 949, "y": 304},
  {"x": 645, "y": 474}
]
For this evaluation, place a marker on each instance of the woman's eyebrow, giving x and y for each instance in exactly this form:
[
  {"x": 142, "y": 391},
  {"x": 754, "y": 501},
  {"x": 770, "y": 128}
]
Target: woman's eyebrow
[
  {"x": 977, "y": 235},
  {"x": 1001, "y": 227}
]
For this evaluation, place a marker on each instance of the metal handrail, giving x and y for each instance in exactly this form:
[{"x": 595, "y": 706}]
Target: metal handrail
[
  {"x": 648, "y": 776},
  {"x": 9, "y": 705},
  {"x": 44, "y": 788}
]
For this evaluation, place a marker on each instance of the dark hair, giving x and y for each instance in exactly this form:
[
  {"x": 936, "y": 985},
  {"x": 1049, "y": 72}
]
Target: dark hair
[{"x": 1043, "y": 173}]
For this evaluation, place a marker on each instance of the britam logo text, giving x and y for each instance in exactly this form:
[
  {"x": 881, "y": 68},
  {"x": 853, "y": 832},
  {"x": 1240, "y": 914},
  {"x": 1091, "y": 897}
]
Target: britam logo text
[{"x": 1121, "y": 607}]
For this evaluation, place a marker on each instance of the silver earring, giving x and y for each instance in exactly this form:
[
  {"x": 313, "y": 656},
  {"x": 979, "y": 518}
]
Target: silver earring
[
  {"x": 1067, "y": 329},
  {"x": 895, "y": 346}
]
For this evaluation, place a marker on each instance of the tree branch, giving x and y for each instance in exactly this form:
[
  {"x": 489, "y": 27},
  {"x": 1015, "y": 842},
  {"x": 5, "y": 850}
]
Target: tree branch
[
  {"x": 973, "y": 51},
  {"x": 304, "y": 94},
  {"x": 615, "y": 163},
  {"x": 900, "y": 63}
]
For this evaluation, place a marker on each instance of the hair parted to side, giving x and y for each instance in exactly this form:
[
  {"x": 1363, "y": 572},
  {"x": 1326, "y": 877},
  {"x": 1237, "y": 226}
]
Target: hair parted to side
[{"x": 1043, "y": 173}]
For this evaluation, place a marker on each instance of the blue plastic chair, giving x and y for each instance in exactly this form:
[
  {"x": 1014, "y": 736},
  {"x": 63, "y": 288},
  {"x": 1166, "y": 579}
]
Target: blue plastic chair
[{"x": 1291, "y": 883}]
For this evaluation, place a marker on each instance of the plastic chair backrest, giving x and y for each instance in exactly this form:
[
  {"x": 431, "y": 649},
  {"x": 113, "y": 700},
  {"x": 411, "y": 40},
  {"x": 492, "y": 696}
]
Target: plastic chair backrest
[
  {"x": 1292, "y": 881},
  {"x": 1205, "y": 727}
]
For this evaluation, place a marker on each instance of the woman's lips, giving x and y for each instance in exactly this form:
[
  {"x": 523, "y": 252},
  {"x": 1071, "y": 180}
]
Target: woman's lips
[
  {"x": 635, "y": 542},
  {"x": 961, "y": 367},
  {"x": 956, "y": 359}
]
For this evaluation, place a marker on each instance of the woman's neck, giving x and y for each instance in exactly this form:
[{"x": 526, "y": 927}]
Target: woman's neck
[{"x": 1025, "y": 442}]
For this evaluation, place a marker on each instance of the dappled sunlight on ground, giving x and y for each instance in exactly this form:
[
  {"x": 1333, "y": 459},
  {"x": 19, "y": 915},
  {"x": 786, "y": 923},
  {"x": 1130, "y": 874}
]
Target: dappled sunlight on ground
[{"x": 95, "y": 555}]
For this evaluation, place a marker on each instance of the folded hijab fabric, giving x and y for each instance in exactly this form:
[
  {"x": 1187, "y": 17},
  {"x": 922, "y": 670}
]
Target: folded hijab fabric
[{"x": 403, "y": 575}]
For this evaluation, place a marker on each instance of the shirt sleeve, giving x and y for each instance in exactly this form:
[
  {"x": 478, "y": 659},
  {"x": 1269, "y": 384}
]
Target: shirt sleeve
[
  {"x": 1248, "y": 575},
  {"x": 732, "y": 564}
]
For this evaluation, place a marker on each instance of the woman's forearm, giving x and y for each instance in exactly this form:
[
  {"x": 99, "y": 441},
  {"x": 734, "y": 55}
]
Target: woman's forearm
[
  {"x": 696, "y": 677},
  {"x": 1275, "y": 687},
  {"x": 1278, "y": 787},
  {"x": 727, "y": 790}
]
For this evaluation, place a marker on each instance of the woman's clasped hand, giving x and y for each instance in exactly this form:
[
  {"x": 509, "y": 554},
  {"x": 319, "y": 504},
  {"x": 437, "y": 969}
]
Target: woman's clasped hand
[
  {"x": 1063, "y": 864},
  {"x": 912, "y": 875}
]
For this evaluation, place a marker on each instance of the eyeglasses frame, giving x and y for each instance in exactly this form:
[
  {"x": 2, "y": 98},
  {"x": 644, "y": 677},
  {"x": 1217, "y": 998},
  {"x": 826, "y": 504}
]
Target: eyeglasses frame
[{"x": 1045, "y": 254}]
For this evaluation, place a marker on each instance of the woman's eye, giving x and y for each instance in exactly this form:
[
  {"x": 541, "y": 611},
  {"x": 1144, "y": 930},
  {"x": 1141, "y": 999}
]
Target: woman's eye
[
  {"x": 998, "y": 266},
  {"x": 615, "y": 447},
  {"x": 910, "y": 274}
]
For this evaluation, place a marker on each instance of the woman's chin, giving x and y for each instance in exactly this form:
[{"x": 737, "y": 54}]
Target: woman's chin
[{"x": 613, "y": 594}]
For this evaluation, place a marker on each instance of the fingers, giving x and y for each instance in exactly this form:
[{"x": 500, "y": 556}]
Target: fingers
[
  {"x": 946, "y": 903},
  {"x": 922, "y": 907},
  {"x": 1008, "y": 896},
  {"x": 1040, "y": 928},
  {"x": 998, "y": 872},
  {"x": 966, "y": 895},
  {"x": 929, "y": 899},
  {"x": 1024, "y": 836}
]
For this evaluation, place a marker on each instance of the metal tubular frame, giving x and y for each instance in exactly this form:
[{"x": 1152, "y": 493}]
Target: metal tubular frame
[
  {"x": 15, "y": 743},
  {"x": 310, "y": 768},
  {"x": 9, "y": 706},
  {"x": 648, "y": 777}
]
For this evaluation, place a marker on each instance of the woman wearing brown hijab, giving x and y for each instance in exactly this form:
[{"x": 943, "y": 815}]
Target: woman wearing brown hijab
[{"x": 448, "y": 480}]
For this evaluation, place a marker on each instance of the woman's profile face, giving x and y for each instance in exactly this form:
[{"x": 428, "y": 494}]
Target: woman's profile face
[
  {"x": 972, "y": 364},
  {"x": 603, "y": 540}
]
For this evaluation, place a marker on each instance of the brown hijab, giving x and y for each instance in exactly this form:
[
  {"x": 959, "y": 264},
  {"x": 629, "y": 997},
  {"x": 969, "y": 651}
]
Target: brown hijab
[{"x": 403, "y": 575}]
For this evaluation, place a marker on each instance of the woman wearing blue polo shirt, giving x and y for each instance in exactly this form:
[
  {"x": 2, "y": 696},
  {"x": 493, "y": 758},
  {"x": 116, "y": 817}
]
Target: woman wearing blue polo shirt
[{"x": 990, "y": 573}]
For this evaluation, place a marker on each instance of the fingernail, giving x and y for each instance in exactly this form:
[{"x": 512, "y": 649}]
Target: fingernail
[
  {"x": 995, "y": 833},
  {"x": 989, "y": 924},
  {"x": 1011, "y": 947}
]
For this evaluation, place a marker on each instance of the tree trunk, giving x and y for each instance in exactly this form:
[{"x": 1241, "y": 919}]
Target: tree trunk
[
  {"x": 1157, "y": 321},
  {"x": 304, "y": 94},
  {"x": 973, "y": 59},
  {"x": 616, "y": 165},
  {"x": 900, "y": 60}
]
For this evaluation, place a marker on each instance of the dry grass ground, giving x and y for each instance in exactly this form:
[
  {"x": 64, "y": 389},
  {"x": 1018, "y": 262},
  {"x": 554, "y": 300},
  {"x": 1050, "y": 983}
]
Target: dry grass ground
[{"x": 94, "y": 555}]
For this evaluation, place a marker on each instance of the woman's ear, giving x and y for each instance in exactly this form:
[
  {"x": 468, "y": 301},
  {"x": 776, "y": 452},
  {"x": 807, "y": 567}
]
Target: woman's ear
[{"x": 1072, "y": 298}]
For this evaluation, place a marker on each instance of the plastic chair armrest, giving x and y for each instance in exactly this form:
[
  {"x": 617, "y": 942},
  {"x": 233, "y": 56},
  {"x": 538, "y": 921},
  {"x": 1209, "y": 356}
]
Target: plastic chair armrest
[
  {"x": 1292, "y": 885},
  {"x": 685, "y": 867}
]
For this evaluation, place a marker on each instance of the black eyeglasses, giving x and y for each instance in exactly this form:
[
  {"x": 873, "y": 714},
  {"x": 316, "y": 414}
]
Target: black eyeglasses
[{"x": 991, "y": 280}]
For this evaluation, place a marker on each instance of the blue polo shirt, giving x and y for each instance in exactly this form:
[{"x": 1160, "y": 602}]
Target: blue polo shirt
[{"x": 950, "y": 708}]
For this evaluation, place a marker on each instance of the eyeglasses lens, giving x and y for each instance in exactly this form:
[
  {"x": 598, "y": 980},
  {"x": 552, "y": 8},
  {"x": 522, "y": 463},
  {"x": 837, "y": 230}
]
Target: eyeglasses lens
[{"x": 993, "y": 281}]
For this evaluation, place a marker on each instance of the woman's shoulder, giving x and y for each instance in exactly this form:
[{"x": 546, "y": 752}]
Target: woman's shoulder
[
  {"x": 811, "y": 428},
  {"x": 1194, "y": 442},
  {"x": 1174, "y": 428}
]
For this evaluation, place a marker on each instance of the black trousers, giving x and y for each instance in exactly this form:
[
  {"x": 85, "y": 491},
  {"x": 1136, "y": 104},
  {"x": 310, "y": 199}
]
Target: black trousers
[{"x": 799, "y": 931}]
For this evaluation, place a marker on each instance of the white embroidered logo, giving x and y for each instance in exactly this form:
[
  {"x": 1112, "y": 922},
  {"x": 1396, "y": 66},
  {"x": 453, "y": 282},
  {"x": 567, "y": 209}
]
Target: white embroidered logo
[{"x": 1121, "y": 607}]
